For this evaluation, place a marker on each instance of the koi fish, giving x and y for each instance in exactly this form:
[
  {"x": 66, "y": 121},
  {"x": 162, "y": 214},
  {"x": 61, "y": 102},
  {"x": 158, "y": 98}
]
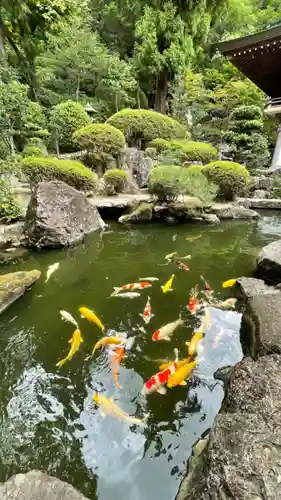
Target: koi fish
[
  {"x": 127, "y": 295},
  {"x": 170, "y": 256},
  {"x": 149, "y": 279},
  {"x": 156, "y": 382},
  {"x": 166, "y": 331},
  {"x": 229, "y": 283},
  {"x": 75, "y": 342},
  {"x": 178, "y": 378},
  {"x": 193, "y": 238},
  {"x": 193, "y": 344},
  {"x": 147, "y": 313},
  {"x": 66, "y": 316},
  {"x": 132, "y": 286},
  {"x": 185, "y": 257},
  {"x": 182, "y": 266},
  {"x": 117, "y": 357},
  {"x": 226, "y": 305},
  {"x": 174, "y": 237},
  {"x": 107, "y": 341},
  {"x": 207, "y": 289},
  {"x": 193, "y": 302},
  {"x": 91, "y": 316},
  {"x": 109, "y": 407},
  {"x": 180, "y": 363},
  {"x": 206, "y": 321},
  {"x": 168, "y": 286},
  {"x": 51, "y": 269}
]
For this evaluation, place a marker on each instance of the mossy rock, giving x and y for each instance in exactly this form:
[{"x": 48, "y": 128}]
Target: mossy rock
[
  {"x": 142, "y": 213},
  {"x": 14, "y": 285},
  {"x": 188, "y": 209}
]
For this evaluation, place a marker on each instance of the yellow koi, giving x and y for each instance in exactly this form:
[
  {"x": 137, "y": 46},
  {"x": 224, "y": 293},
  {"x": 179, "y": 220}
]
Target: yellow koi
[
  {"x": 180, "y": 363},
  {"x": 229, "y": 283},
  {"x": 91, "y": 316},
  {"x": 107, "y": 341},
  {"x": 178, "y": 378},
  {"x": 193, "y": 344},
  {"x": 168, "y": 286},
  {"x": 108, "y": 407},
  {"x": 75, "y": 342},
  {"x": 193, "y": 238}
]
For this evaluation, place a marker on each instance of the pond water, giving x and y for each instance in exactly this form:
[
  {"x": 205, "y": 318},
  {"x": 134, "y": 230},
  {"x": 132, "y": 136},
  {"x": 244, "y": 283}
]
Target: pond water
[{"x": 47, "y": 417}]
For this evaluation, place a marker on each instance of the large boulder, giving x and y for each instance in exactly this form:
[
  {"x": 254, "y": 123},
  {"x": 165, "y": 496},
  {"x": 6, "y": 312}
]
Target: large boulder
[
  {"x": 260, "y": 193},
  {"x": 242, "y": 459},
  {"x": 269, "y": 263},
  {"x": 59, "y": 216},
  {"x": 137, "y": 164},
  {"x": 14, "y": 285},
  {"x": 11, "y": 235},
  {"x": 231, "y": 211},
  {"x": 36, "y": 485}
]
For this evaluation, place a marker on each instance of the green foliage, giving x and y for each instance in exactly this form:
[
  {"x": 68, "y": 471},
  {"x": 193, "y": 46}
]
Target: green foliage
[
  {"x": 151, "y": 153},
  {"x": 159, "y": 144},
  {"x": 65, "y": 119},
  {"x": 276, "y": 187},
  {"x": 247, "y": 144},
  {"x": 230, "y": 177},
  {"x": 163, "y": 182},
  {"x": 9, "y": 210},
  {"x": 144, "y": 125},
  {"x": 33, "y": 151},
  {"x": 74, "y": 173},
  {"x": 193, "y": 182},
  {"x": 194, "y": 151},
  {"x": 100, "y": 138},
  {"x": 115, "y": 179}
]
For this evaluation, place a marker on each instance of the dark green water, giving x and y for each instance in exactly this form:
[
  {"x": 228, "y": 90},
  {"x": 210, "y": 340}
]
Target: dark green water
[{"x": 47, "y": 417}]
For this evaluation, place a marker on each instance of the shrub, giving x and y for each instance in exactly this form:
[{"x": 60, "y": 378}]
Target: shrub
[
  {"x": 34, "y": 151},
  {"x": 159, "y": 144},
  {"x": 193, "y": 182},
  {"x": 9, "y": 210},
  {"x": 74, "y": 173},
  {"x": 65, "y": 118},
  {"x": 246, "y": 113},
  {"x": 163, "y": 182},
  {"x": 142, "y": 125},
  {"x": 194, "y": 151},
  {"x": 276, "y": 187},
  {"x": 36, "y": 141},
  {"x": 116, "y": 179},
  {"x": 100, "y": 138},
  {"x": 230, "y": 177},
  {"x": 151, "y": 153}
]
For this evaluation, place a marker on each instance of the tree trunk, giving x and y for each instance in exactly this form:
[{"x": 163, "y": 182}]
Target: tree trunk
[
  {"x": 78, "y": 88},
  {"x": 161, "y": 91},
  {"x": 2, "y": 47}
]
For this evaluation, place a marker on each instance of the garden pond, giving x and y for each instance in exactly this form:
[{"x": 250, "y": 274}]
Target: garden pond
[{"x": 47, "y": 416}]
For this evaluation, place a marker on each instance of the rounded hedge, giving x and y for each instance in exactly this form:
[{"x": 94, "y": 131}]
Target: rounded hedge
[
  {"x": 246, "y": 113},
  {"x": 65, "y": 118},
  {"x": 164, "y": 181},
  {"x": 71, "y": 172},
  {"x": 116, "y": 179},
  {"x": 230, "y": 177},
  {"x": 194, "y": 151},
  {"x": 146, "y": 125},
  {"x": 30, "y": 150},
  {"x": 100, "y": 138},
  {"x": 159, "y": 144}
]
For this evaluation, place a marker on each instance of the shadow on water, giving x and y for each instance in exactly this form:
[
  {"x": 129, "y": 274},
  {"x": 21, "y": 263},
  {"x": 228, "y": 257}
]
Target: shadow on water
[{"x": 47, "y": 417}]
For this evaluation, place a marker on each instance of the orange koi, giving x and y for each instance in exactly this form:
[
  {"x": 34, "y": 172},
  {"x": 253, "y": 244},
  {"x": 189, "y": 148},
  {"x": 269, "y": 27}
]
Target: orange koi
[{"x": 117, "y": 357}]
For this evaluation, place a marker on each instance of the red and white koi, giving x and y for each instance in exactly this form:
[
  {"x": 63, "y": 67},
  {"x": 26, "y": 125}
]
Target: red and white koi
[
  {"x": 140, "y": 285},
  {"x": 156, "y": 382},
  {"x": 147, "y": 313},
  {"x": 226, "y": 305},
  {"x": 166, "y": 331},
  {"x": 193, "y": 302},
  {"x": 182, "y": 266}
]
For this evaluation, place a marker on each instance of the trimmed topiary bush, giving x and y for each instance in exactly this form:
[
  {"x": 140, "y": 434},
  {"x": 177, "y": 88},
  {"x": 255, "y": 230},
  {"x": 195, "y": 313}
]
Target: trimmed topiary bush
[
  {"x": 71, "y": 172},
  {"x": 115, "y": 179},
  {"x": 34, "y": 151},
  {"x": 159, "y": 144},
  {"x": 230, "y": 177},
  {"x": 142, "y": 126},
  {"x": 100, "y": 138},
  {"x": 194, "y": 151},
  {"x": 65, "y": 118},
  {"x": 163, "y": 182}
]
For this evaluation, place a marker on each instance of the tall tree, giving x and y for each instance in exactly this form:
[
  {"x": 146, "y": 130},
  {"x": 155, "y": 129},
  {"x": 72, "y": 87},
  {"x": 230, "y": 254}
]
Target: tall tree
[{"x": 24, "y": 24}]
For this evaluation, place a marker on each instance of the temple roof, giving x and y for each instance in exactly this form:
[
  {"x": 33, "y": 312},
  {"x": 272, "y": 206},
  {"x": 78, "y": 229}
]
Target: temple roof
[{"x": 258, "y": 57}]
